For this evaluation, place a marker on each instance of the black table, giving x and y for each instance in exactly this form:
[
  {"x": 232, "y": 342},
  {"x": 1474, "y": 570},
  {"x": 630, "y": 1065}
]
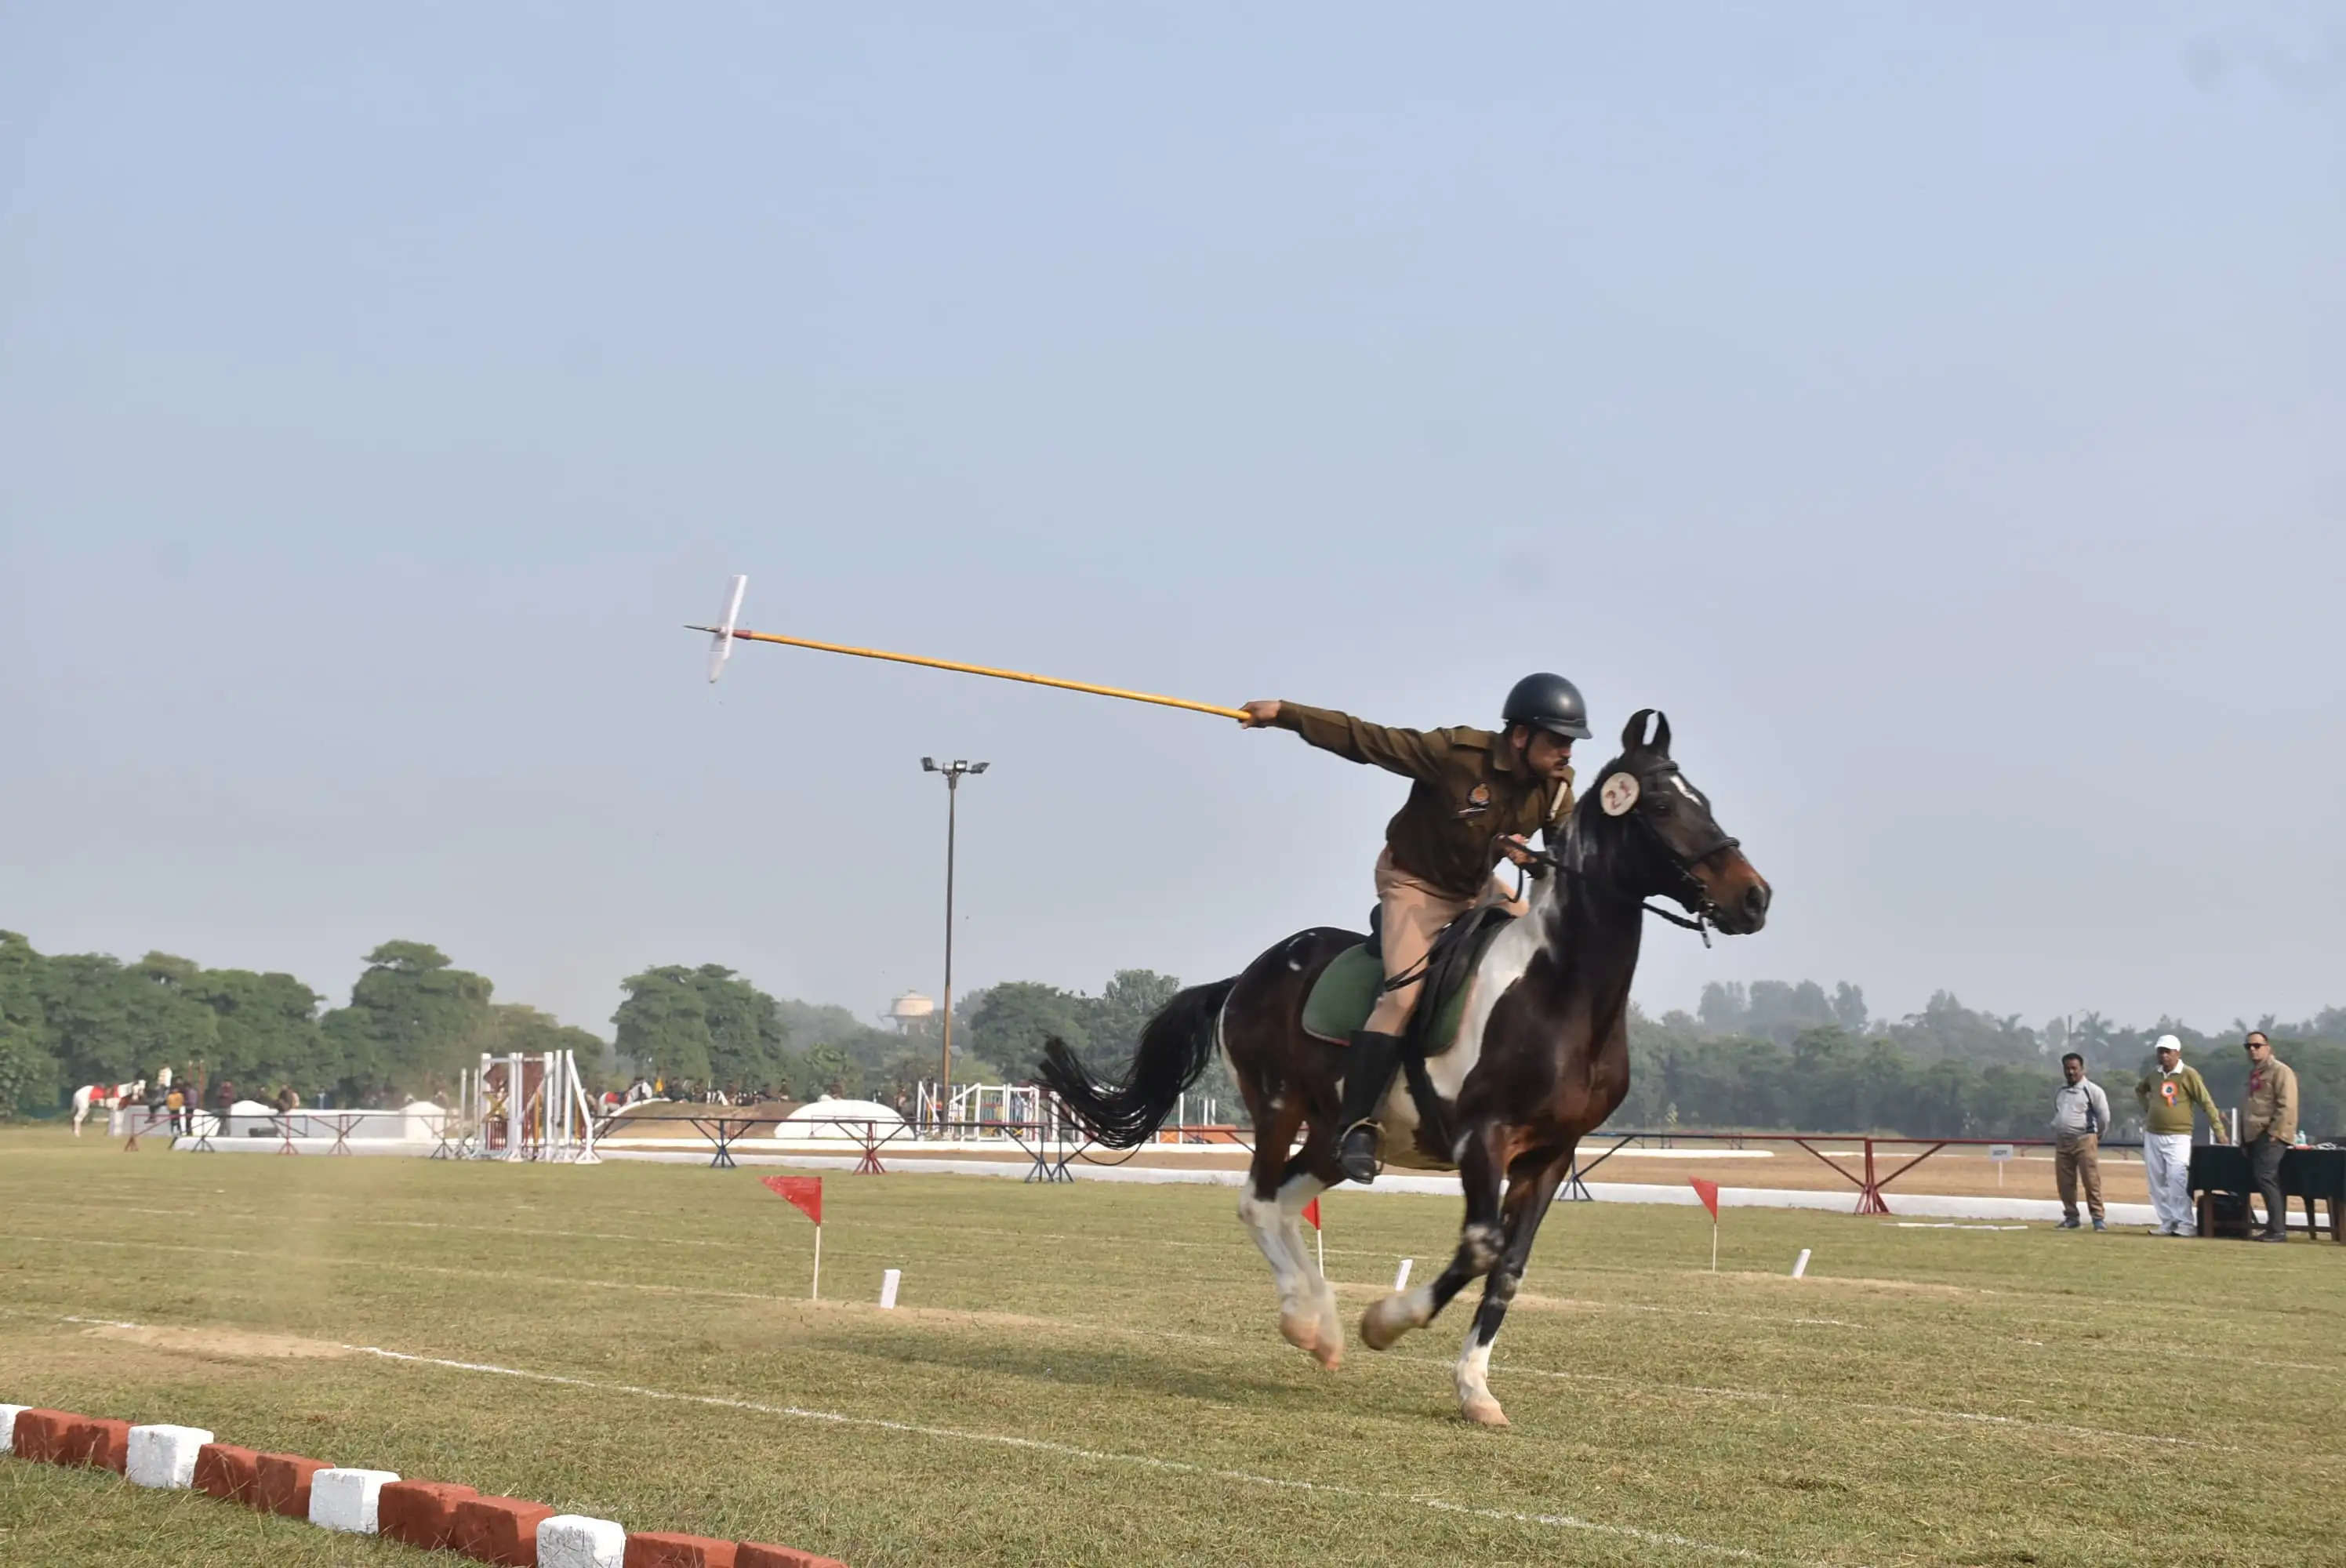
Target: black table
[{"x": 2313, "y": 1175}]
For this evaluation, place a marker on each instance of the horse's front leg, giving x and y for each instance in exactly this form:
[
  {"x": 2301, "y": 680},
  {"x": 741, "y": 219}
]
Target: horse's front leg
[
  {"x": 1532, "y": 1181},
  {"x": 1298, "y": 1186},
  {"x": 1480, "y": 1169},
  {"x": 1272, "y": 1208}
]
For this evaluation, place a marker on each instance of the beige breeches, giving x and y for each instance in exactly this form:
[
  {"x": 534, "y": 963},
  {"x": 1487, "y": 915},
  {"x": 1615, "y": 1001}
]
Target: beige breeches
[{"x": 1412, "y": 912}]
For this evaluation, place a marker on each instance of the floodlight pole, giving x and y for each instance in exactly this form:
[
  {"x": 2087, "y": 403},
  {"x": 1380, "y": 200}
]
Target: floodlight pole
[{"x": 952, "y": 772}]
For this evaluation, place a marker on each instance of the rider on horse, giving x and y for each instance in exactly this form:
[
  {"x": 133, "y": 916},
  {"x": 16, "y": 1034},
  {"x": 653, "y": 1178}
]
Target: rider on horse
[{"x": 1475, "y": 795}]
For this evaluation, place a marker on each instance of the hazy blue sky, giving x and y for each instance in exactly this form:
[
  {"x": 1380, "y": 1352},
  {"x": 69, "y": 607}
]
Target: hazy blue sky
[{"x": 1942, "y": 415}]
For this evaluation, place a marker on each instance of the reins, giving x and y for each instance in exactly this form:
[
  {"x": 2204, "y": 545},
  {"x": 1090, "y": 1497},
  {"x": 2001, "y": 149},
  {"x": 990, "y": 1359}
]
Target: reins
[{"x": 1704, "y": 908}]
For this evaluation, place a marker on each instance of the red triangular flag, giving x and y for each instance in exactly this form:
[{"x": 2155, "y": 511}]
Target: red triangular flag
[
  {"x": 802, "y": 1192},
  {"x": 1708, "y": 1191},
  {"x": 1311, "y": 1213}
]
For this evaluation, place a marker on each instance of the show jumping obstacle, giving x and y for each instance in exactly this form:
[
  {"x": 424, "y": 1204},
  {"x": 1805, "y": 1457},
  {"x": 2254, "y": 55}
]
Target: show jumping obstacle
[{"x": 524, "y": 1105}]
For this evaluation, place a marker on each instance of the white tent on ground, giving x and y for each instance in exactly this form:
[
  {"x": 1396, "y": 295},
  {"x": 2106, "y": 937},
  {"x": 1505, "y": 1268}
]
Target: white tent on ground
[
  {"x": 419, "y": 1121},
  {"x": 819, "y": 1119}
]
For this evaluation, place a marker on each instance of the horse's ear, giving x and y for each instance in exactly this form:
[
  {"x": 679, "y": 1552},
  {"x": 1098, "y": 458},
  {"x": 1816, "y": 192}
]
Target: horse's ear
[{"x": 1633, "y": 734}]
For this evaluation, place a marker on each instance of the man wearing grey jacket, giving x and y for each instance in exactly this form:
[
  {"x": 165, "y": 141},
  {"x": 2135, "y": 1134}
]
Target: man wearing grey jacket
[{"x": 2080, "y": 1113}]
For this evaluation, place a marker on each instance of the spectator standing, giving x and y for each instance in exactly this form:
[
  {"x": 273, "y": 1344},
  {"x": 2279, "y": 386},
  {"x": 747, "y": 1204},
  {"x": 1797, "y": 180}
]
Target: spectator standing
[
  {"x": 225, "y": 1098},
  {"x": 2167, "y": 1096},
  {"x": 2081, "y": 1112},
  {"x": 2267, "y": 1126}
]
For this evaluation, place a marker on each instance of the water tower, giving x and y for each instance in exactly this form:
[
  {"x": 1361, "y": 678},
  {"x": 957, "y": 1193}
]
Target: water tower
[{"x": 910, "y": 1011}]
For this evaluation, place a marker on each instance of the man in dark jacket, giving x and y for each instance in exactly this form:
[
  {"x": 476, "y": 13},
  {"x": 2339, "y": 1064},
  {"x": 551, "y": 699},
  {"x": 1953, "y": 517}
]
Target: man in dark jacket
[
  {"x": 1475, "y": 796},
  {"x": 2268, "y": 1128}
]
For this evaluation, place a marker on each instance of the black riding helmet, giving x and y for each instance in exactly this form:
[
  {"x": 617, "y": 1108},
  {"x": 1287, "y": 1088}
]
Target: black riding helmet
[{"x": 1548, "y": 702}]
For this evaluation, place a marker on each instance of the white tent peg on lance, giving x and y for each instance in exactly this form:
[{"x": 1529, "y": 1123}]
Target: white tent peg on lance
[{"x": 720, "y": 644}]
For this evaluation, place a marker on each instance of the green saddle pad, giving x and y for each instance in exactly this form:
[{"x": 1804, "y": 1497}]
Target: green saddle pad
[{"x": 1346, "y": 992}]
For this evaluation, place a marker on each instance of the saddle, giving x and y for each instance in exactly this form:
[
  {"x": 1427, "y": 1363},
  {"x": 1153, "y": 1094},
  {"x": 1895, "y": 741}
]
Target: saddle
[{"x": 1347, "y": 989}]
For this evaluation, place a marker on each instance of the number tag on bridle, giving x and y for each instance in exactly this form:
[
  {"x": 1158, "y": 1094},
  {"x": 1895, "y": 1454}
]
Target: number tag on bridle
[{"x": 1620, "y": 793}]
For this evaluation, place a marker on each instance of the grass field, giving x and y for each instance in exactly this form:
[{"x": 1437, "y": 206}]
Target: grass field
[{"x": 1092, "y": 1374}]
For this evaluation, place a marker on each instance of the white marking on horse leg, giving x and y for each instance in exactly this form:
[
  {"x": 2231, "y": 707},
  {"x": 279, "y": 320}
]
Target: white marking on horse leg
[
  {"x": 1294, "y": 1198},
  {"x": 1299, "y": 1315},
  {"x": 1473, "y": 1377}
]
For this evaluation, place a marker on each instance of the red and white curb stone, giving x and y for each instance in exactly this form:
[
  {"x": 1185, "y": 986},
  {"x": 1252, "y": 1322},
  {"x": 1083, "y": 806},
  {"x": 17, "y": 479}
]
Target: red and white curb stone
[{"x": 430, "y": 1515}]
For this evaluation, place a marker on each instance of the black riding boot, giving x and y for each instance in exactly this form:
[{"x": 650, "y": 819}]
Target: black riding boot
[{"x": 1370, "y": 1062}]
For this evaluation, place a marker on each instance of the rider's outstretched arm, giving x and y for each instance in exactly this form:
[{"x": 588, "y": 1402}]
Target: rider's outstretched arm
[{"x": 1411, "y": 753}]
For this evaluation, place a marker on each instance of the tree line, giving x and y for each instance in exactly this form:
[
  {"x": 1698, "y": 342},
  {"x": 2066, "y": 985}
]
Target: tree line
[
  {"x": 412, "y": 1022},
  {"x": 415, "y": 1021},
  {"x": 1768, "y": 1056}
]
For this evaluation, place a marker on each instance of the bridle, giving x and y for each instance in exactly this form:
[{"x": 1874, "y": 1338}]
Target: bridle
[{"x": 1706, "y": 909}]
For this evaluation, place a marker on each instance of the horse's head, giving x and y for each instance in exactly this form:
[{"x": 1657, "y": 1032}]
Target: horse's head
[{"x": 1656, "y": 837}]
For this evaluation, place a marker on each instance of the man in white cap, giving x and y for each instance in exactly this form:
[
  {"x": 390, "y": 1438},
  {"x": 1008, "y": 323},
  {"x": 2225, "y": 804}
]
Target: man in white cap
[{"x": 2167, "y": 1096}]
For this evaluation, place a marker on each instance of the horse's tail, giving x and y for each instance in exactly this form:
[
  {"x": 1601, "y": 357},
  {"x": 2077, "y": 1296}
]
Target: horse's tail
[{"x": 1175, "y": 1048}]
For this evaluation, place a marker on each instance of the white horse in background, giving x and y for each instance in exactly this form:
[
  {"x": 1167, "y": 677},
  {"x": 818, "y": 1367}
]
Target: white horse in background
[
  {"x": 113, "y": 1097},
  {"x": 108, "y": 1096}
]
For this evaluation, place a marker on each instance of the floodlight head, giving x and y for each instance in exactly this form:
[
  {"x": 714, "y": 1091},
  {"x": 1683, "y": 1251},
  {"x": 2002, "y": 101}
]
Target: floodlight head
[
  {"x": 928, "y": 765},
  {"x": 721, "y": 645},
  {"x": 977, "y": 767}
]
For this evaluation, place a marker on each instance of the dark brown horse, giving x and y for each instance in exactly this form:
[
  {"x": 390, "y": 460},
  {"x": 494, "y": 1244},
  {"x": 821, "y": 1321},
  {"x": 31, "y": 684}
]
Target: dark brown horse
[{"x": 1542, "y": 1056}]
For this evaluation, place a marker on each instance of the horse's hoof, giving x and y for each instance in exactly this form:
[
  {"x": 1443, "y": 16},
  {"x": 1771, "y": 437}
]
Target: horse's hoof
[
  {"x": 1483, "y": 1412},
  {"x": 1330, "y": 1348},
  {"x": 1301, "y": 1331},
  {"x": 1383, "y": 1324}
]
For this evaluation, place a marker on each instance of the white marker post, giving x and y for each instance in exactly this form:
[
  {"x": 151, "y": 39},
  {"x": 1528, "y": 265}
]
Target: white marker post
[
  {"x": 1401, "y": 1279},
  {"x": 2001, "y": 1154},
  {"x": 1800, "y": 1264},
  {"x": 888, "y": 1283}
]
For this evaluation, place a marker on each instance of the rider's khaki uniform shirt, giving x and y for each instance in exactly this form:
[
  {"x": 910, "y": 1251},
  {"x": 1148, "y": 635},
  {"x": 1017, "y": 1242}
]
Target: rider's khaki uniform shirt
[{"x": 1468, "y": 792}]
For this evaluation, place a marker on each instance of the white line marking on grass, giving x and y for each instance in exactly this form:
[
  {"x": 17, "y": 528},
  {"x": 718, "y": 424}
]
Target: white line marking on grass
[
  {"x": 1235, "y": 1250},
  {"x": 1040, "y": 1445},
  {"x": 1070, "y": 1451},
  {"x": 1693, "y": 1312},
  {"x": 508, "y": 1231},
  {"x": 1769, "y": 1397},
  {"x": 345, "y": 1261}
]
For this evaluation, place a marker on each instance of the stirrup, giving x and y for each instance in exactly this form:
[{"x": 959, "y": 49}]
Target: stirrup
[{"x": 1376, "y": 1151}]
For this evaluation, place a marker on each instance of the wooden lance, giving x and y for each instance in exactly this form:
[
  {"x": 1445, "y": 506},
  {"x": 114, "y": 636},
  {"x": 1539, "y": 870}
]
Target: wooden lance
[{"x": 725, "y": 634}]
